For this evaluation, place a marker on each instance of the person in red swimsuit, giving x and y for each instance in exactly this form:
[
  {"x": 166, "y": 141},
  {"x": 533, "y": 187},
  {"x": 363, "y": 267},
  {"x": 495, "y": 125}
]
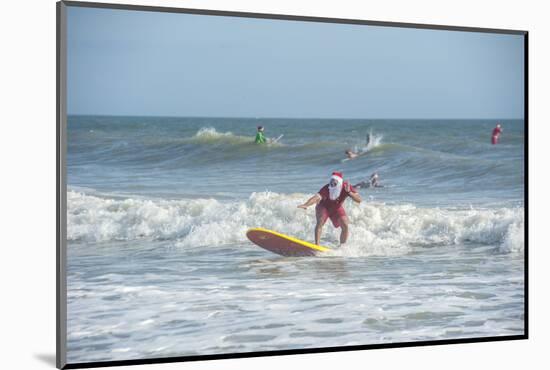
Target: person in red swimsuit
[
  {"x": 496, "y": 134},
  {"x": 330, "y": 200}
]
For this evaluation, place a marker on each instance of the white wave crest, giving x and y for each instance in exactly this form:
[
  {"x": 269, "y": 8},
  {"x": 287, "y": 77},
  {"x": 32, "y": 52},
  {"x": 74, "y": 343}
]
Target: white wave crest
[
  {"x": 209, "y": 134},
  {"x": 376, "y": 229},
  {"x": 375, "y": 140}
]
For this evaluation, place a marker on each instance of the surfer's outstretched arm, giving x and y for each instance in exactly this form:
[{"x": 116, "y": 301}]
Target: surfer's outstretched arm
[
  {"x": 311, "y": 201},
  {"x": 352, "y": 193},
  {"x": 355, "y": 196}
]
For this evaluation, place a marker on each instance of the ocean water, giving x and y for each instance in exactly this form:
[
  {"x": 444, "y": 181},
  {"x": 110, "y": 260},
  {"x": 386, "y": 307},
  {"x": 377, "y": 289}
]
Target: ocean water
[{"x": 159, "y": 264}]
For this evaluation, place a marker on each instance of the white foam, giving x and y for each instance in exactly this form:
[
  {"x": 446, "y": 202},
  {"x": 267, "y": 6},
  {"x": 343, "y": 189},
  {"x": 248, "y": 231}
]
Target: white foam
[
  {"x": 514, "y": 238},
  {"x": 375, "y": 140},
  {"x": 210, "y": 134},
  {"x": 376, "y": 229}
]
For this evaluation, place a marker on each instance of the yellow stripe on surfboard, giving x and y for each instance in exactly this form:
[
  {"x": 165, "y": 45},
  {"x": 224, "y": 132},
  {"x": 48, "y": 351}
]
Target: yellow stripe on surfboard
[{"x": 297, "y": 241}]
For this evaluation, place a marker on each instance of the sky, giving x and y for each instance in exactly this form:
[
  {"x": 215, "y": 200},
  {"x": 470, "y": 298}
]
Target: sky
[{"x": 123, "y": 62}]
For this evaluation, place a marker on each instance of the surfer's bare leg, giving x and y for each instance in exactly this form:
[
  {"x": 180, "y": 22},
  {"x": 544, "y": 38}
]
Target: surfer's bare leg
[
  {"x": 321, "y": 219},
  {"x": 344, "y": 224},
  {"x": 318, "y": 231}
]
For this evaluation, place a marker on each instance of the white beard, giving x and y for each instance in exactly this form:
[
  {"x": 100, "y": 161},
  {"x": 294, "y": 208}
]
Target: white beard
[{"x": 334, "y": 192}]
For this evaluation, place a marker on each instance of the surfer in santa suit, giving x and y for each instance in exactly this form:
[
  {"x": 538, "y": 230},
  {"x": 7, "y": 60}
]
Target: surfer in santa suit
[
  {"x": 330, "y": 200},
  {"x": 496, "y": 134}
]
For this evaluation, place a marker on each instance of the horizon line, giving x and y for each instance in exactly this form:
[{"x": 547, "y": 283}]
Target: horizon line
[{"x": 296, "y": 118}]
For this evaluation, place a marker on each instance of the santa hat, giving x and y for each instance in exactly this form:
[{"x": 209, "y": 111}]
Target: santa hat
[{"x": 338, "y": 174}]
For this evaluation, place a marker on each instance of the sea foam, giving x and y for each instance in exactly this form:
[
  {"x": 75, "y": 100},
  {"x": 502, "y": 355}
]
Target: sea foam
[
  {"x": 211, "y": 135},
  {"x": 375, "y": 229}
]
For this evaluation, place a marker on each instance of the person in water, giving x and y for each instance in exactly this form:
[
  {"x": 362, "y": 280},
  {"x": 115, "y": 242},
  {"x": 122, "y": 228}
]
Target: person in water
[
  {"x": 373, "y": 182},
  {"x": 329, "y": 201},
  {"x": 351, "y": 154},
  {"x": 260, "y": 137},
  {"x": 496, "y": 134}
]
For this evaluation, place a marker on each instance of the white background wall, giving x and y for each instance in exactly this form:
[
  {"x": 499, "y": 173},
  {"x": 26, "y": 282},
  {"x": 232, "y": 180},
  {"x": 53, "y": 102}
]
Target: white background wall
[{"x": 27, "y": 203}]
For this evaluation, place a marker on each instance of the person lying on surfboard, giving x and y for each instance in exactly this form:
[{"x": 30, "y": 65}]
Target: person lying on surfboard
[
  {"x": 351, "y": 154},
  {"x": 330, "y": 200},
  {"x": 373, "y": 182}
]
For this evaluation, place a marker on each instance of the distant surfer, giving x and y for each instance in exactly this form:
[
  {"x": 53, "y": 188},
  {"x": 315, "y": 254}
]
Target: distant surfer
[
  {"x": 373, "y": 182},
  {"x": 351, "y": 154},
  {"x": 260, "y": 137},
  {"x": 496, "y": 134},
  {"x": 330, "y": 200}
]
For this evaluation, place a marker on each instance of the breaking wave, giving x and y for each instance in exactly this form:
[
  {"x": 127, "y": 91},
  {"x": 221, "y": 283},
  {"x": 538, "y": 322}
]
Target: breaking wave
[
  {"x": 210, "y": 135},
  {"x": 376, "y": 229}
]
